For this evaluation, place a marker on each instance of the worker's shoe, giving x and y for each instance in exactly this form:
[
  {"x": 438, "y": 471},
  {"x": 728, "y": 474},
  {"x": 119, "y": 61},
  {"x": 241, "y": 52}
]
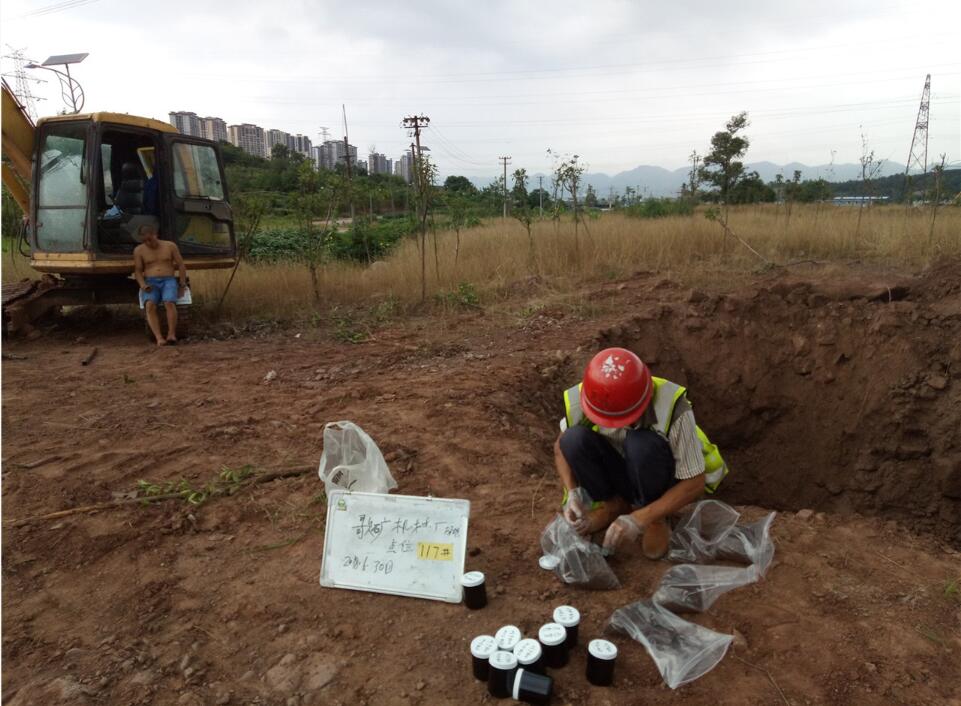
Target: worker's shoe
[{"x": 656, "y": 537}]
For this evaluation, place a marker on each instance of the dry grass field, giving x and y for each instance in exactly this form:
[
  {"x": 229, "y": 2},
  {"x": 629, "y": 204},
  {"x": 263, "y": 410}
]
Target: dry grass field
[
  {"x": 495, "y": 256},
  {"x": 498, "y": 253}
]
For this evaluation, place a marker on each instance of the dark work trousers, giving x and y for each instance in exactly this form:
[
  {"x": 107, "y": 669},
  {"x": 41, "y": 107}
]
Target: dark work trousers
[{"x": 640, "y": 477}]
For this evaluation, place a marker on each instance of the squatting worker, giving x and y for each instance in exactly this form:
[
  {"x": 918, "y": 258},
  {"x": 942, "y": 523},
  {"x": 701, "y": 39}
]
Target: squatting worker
[
  {"x": 155, "y": 262},
  {"x": 630, "y": 454}
]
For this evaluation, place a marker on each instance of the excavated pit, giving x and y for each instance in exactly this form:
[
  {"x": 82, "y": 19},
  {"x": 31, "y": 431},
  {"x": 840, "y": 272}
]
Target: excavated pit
[{"x": 844, "y": 400}]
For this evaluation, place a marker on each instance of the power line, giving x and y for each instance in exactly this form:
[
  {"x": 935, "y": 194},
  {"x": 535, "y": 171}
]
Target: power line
[{"x": 57, "y": 7}]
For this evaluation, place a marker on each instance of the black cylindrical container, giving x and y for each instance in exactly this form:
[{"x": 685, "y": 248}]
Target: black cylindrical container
[
  {"x": 552, "y": 638},
  {"x": 475, "y": 589},
  {"x": 570, "y": 618},
  {"x": 601, "y": 658},
  {"x": 481, "y": 649},
  {"x": 530, "y": 656},
  {"x": 507, "y": 637},
  {"x": 532, "y": 688},
  {"x": 500, "y": 678}
]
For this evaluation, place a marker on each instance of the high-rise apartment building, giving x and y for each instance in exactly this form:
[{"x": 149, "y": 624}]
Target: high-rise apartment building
[
  {"x": 302, "y": 145},
  {"x": 404, "y": 167},
  {"x": 186, "y": 123},
  {"x": 214, "y": 129},
  {"x": 249, "y": 138},
  {"x": 332, "y": 152},
  {"x": 378, "y": 164},
  {"x": 273, "y": 138}
]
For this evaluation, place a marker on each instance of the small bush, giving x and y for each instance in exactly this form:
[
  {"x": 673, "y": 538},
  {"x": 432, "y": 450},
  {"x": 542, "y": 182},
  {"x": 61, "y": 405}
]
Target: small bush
[{"x": 660, "y": 208}]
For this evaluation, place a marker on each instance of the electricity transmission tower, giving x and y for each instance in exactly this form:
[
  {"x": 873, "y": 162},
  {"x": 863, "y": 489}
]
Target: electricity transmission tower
[
  {"x": 22, "y": 81},
  {"x": 918, "y": 154}
]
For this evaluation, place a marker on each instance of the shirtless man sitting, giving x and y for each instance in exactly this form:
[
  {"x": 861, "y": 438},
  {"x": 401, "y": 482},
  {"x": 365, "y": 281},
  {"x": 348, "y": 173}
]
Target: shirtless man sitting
[{"x": 155, "y": 261}]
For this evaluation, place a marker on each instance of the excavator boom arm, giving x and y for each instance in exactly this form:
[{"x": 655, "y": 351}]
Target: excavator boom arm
[{"x": 18, "y": 135}]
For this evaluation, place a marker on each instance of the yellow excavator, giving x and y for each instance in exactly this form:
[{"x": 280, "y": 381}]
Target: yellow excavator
[{"x": 86, "y": 183}]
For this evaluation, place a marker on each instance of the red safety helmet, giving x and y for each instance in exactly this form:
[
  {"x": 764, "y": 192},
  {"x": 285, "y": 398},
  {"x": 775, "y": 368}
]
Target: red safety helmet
[{"x": 617, "y": 388}]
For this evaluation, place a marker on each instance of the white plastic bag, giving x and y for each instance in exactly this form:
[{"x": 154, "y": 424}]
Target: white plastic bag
[
  {"x": 580, "y": 561},
  {"x": 700, "y": 531},
  {"x": 688, "y": 588},
  {"x": 352, "y": 461},
  {"x": 681, "y": 650}
]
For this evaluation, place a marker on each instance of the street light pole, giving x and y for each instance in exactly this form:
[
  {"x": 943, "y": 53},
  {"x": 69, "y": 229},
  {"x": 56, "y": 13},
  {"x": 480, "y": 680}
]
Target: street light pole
[{"x": 70, "y": 89}]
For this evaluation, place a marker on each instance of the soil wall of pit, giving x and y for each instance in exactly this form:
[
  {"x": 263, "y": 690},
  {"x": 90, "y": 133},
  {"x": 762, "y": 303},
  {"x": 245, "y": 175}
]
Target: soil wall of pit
[{"x": 845, "y": 400}]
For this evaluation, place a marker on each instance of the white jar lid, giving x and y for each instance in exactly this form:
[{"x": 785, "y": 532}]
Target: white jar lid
[
  {"x": 552, "y": 634},
  {"x": 472, "y": 578},
  {"x": 507, "y": 637},
  {"x": 483, "y": 646},
  {"x": 548, "y": 562},
  {"x": 602, "y": 649},
  {"x": 527, "y": 651},
  {"x": 566, "y": 615},
  {"x": 503, "y": 660},
  {"x": 516, "y": 691}
]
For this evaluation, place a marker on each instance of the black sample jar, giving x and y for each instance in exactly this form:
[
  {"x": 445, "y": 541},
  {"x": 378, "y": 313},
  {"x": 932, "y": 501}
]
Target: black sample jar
[
  {"x": 530, "y": 656},
  {"x": 570, "y": 618},
  {"x": 552, "y": 638},
  {"x": 532, "y": 688},
  {"x": 475, "y": 589},
  {"x": 507, "y": 637},
  {"x": 481, "y": 649},
  {"x": 500, "y": 676},
  {"x": 601, "y": 658}
]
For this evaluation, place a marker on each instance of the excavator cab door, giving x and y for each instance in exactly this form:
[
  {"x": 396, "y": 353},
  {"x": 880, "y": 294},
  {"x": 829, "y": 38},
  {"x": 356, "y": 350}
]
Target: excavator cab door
[
  {"x": 62, "y": 187},
  {"x": 195, "y": 195}
]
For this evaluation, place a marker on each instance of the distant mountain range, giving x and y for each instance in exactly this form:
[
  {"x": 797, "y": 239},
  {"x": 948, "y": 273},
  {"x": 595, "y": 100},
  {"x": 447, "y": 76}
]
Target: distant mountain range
[{"x": 658, "y": 181}]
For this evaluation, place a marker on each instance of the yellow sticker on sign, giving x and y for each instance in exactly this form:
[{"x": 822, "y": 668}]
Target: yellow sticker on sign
[{"x": 435, "y": 552}]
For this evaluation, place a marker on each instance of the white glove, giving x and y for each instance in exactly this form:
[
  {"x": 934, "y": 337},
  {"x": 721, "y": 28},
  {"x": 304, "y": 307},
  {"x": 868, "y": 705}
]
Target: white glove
[
  {"x": 576, "y": 507},
  {"x": 623, "y": 528}
]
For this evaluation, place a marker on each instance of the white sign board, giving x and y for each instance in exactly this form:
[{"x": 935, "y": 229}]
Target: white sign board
[{"x": 400, "y": 544}]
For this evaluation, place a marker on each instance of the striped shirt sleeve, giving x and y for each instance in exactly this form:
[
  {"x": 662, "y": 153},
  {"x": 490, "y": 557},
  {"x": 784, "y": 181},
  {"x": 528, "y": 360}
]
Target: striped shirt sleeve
[{"x": 688, "y": 456}]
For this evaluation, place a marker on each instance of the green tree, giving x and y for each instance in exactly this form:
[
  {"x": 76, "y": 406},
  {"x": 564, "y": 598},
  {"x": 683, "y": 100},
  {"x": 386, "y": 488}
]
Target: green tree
[
  {"x": 460, "y": 215},
  {"x": 318, "y": 197},
  {"x": 459, "y": 184},
  {"x": 567, "y": 176},
  {"x": 521, "y": 210},
  {"x": 752, "y": 189},
  {"x": 539, "y": 197},
  {"x": 590, "y": 198},
  {"x": 722, "y": 166}
]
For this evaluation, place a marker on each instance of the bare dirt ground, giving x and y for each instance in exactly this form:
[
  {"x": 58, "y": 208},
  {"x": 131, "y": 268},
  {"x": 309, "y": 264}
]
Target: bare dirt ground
[{"x": 832, "y": 391}]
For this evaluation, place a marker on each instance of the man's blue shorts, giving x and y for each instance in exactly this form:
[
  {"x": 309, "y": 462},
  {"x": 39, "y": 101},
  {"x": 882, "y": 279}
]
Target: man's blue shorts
[{"x": 162, "y": 289}]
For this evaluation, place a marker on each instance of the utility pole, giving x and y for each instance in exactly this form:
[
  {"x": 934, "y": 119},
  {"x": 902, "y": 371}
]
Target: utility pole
[
  {"x": 540, "y": 194},
  {"x": 505, "y": 161},
  {"x": 350, "y": 195},
  {"x": 416, "y": 123},
  {"x": 919, "y": 156}
]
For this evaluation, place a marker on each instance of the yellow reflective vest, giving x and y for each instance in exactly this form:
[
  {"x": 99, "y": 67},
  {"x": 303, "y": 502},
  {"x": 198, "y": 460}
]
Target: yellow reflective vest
[{"x": 669, "y": 399}]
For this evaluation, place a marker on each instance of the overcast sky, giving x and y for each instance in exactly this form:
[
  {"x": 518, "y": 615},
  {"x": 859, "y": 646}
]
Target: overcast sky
[{"x": 620, "y": 83}]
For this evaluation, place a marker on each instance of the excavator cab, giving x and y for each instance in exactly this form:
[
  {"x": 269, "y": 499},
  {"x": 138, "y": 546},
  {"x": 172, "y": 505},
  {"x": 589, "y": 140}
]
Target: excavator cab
[
  {"x": 86, "y": 183},
  {"x": 97, "y": 178}
]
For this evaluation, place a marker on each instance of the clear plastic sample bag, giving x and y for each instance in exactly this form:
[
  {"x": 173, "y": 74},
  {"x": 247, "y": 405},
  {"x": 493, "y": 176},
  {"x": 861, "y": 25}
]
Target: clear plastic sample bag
[
  {"x": 700, "y": 531},
  {"x": 689, "y": 588},
  {"x": 352, "y": 461},
  {"x": 681, "y": 650},
  {"x": 750, "y": 544},
  {"x": 580, "y": 561}
]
